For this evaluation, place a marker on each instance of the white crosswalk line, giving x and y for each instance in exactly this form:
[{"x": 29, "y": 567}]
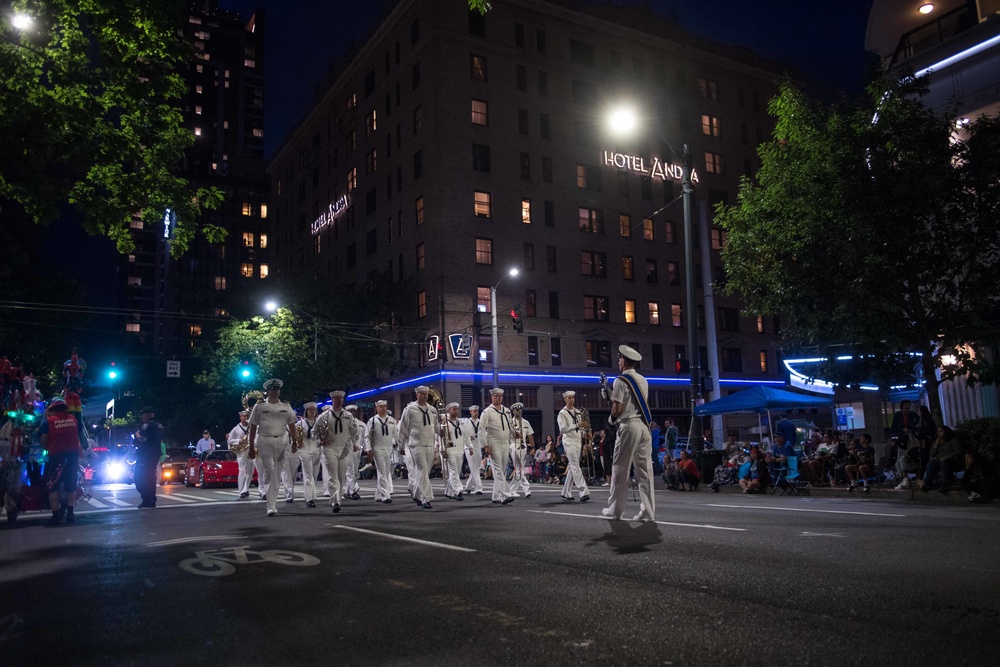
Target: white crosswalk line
[
  {"x": 197, "y": 499},
  {"x": 174, "y": 497},
  {"x": 120, "y": 503},
  {"x": 95, "y": 502},
  {"x": 227, "y": 493}
]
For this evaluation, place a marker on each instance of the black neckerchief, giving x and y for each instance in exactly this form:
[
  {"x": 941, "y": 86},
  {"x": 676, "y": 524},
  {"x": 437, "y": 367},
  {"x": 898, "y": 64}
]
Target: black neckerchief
[{"x": 426, "y": 413}]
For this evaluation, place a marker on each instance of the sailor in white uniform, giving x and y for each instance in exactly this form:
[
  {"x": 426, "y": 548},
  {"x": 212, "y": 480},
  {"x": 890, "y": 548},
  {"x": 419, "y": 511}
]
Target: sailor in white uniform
[
  {"x": 417, "y": 427},
  {"x": 309, "y": 452},
  {"x": 570, "y": 428},
  {"x": 633, "y": 447},
  {"x": 474, "y": 452},
  {"x": 246, "y": 464},
  {"x": 353, "y": 489},
  {"x": 272, "y": 423},
  {"x": 495, "y": 426},
  {"x": 381, "y": 435},
  {"x": 523, "y": 436},
  {"x": 337, "y": 434},
  {"x": 455, "y": 442},
  {"x": 325, "y": 483}
]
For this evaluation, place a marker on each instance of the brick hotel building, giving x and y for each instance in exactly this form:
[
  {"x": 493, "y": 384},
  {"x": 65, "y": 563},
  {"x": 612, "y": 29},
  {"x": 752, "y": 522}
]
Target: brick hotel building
[{"x": 454, "y": 147}]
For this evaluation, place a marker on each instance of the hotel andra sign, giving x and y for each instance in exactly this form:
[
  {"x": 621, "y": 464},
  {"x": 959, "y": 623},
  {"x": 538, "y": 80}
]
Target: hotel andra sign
[
  {"x": 329, "y": 215},
  {"x": 657, "y": 168}
]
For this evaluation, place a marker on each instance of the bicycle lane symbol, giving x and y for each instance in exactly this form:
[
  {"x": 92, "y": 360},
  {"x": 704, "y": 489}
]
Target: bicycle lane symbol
[{"x": 223, "y": 562}]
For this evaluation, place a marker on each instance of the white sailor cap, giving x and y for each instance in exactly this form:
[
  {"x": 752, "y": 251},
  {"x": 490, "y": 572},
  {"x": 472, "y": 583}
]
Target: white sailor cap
[
  {"x": 327, "y": 408},
  {"x": 273, "y": 383},
  {"x": 337, "y": 394},
  {"x": 473, "y": 407},
  {"x": 350, "y": 407},
  {"x": 244, "y": 412},
  {"x": 517, "y": 406},
  {"x": 306, "y": 406},
  {"x": 378, "y": 403},
  {"x": 452, "y": 405},
  {"x": 422, "y": 389},
  {"x": 496, "y": 390},
  {"x": 629, "y": 353},
  {"x": 569, "y": 394}
]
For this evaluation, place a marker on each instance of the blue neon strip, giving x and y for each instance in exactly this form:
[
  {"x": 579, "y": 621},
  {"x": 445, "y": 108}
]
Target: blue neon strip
[{"x": 960, "y": 56}]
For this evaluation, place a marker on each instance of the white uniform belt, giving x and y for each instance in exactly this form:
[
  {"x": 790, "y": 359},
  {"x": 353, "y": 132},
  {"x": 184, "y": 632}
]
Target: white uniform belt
[{"x": 631, "y": 418}]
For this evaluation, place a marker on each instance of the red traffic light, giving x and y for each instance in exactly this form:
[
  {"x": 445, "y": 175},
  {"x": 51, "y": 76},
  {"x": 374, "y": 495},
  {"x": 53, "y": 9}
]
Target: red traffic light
[{"x": 682, "y": 366}]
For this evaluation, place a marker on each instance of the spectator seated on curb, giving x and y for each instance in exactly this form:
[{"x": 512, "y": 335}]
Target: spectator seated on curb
[
  {"x": 778, "y": 454},
  {"x": 690, "y": 475},
  {"x": 757, "y": 477},
  {"x": 671, "y": 475},
  {"x": 907, "y": 461},
  {"x": 976, "y": 478},
  {"x": 943, "y": 460},
  {"x": 861, "y": 464},
  {"x": 727, "y": 474}
]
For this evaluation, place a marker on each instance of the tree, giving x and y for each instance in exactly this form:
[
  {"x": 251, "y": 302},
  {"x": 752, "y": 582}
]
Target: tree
[
  {"x": 481, "y": 6},
  {"x": 873, "y": 230},
  {"x": 90, "y": 116}
]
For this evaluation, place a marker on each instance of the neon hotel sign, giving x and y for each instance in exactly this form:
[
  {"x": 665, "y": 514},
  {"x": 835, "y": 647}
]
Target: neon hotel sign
[
  {"x": 329, "y": 215},
  {"x": 657, "y": 169}
]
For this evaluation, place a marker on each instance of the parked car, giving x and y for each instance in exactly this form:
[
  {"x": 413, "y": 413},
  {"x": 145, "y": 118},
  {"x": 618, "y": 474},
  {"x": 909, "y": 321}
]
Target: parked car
[
  {"x": 173, "y": 467},
  {"x": 218, "y": 467}
]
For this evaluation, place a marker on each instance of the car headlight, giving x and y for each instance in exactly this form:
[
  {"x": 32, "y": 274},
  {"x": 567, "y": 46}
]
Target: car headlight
[
  {"x": 115, "y": 469},
  {"x": 167, "y": 473}
]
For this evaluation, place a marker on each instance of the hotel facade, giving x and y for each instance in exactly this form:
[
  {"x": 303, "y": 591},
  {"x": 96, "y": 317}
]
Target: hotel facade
[{"x": 454, "y": 147}]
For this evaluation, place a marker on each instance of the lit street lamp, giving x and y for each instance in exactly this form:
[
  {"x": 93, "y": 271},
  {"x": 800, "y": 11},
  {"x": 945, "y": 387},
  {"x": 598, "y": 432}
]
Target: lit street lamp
[
  {"x": 493, "y": 314},
  {"x": 272, "y": 306},
  {"x": 624, "y": 121},
  {"x": 21, "y": 21}
]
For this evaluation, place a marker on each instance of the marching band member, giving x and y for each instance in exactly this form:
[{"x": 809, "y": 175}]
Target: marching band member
[
  {"x": 381, "y": 430},
  {"x": 309, "y": 452},
  {"x": 474, "y": 453},
  {"x": 289, "y": 467},
  {"x": 337, "y": 434},
  {"x": 417, "y": 426},
  {"x": 630, "y": 409},
  {"x": 322, "y": 466},
  {"x": 454, "y": 444},
  {"x": 495, "y": 424},
  {"x": 243, "y": 459},
  {"x": 570, "y": 426},
  {"x": 272, "y": 423},
  {"x": 523, "y": 435},
  {"x": 352, "y": 490}
]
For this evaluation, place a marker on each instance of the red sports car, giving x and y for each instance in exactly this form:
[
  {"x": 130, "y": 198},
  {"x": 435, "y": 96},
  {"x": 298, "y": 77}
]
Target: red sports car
[{"x": 218, "y": 467}]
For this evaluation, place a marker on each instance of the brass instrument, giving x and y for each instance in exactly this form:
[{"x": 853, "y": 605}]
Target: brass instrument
[
  {"x": 300, "y": 434},
  {"x": 586, "y": 432},
  {"x": 517, "y": 435},
  {"x": 443, "y": 431},
  {"x": 257, "y": 396}
]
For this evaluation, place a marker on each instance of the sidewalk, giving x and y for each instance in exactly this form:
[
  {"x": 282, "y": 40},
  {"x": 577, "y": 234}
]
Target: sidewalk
[{"x": 954, "y": 497}]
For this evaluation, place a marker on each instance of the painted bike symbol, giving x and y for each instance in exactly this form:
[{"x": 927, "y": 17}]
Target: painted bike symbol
[{"x": 223, "y": 562}]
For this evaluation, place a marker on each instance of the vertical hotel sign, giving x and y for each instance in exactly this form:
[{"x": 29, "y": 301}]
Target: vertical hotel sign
[
  {"x": 657, "y": 167},
  {"x": 329, "y": 215}
]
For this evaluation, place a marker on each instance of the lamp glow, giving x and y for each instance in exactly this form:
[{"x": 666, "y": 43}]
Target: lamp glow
[
  {"x": 513, "y": 272},
  {"x": 926, "y": 8},
  {"x": 21, "y": 21},
  {"x": 623, "y": 121},
  {"x": 270, "y": 306}
]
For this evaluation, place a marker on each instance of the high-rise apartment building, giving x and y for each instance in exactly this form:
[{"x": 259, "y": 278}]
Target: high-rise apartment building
[
  {"x": 455, "y": 147},
  {"x": 177, "y": 301}
]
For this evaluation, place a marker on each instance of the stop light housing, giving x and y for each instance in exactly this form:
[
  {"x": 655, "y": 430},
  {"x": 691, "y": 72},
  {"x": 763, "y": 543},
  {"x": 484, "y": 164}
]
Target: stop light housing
[
  {"x": 515, "y": 317},
  {"x": 682, "y": 366}
]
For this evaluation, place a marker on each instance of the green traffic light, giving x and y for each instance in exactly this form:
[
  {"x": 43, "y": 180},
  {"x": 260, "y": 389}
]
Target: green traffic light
[
  {"x": 246, "y": 373},
  {"x": 112, "y": 375}
]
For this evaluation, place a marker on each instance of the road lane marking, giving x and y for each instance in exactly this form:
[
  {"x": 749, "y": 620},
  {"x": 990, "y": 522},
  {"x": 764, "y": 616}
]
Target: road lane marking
[
  {"x": 205, "y": 538},
  {"x": 808, "y": 534},
  {"x": 176, "y": 497},
  {"x": 196, "y": 499},
  {"x": 662, "y": 523},
  {"x": 402, "y": 538},
  {"x": 120, "y": 503},
  {"x": 95, "y": 502},
  {"x": 227, "y": 493},
  {"x": 799, "y": 509}
]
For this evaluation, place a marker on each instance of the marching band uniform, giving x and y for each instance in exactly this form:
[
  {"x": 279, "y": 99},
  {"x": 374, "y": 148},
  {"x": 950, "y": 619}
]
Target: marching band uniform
[
  {"x": 569, "y": 428},
  {"x": 518, "y": 450},
  {"x": 352, "y": 489},
  {"x": 246, "y": 464},
  {"x": 309, "y": 453},
  {"x": 474, "y": 452},
  {"x": 338, "y": 432},
  {"x": 258, "y": 465},
  {"x": 381, "y": 434},
  {"x": 322, "y": 466},
  {"x": 495, "y": 425},
  {"x": 458, "y": 437},
  {"x": 634, "y": 443},
  {"x": 271, "y": 423},
  {"x": 417, "y": 426},
  {"x": 289, "y": 466}
]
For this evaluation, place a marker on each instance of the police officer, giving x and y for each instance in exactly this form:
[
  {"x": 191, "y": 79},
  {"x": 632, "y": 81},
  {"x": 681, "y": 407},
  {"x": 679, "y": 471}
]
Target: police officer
[
  {"x": 246, "y": 464},
  {"x": 417, "y": 426},
  {"x": 147, "y": 456},
  {"x": 337, "y": 433},
  {"x": 570, "y": 427},
  {"x": 495, "y": 425},
  {"x": 629, "y": 409},
  {"x": 272, "y": 423},
  {"x": 381, "y": 436}
]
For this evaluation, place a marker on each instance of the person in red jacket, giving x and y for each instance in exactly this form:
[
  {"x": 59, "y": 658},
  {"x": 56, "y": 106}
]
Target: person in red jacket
[
  {"x": 690, "y": 475},
  {"x": 60, "y": 436}
]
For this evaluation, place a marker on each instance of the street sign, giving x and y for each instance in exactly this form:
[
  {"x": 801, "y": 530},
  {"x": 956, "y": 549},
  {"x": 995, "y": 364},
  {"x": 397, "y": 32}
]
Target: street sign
[
  {"x": 173, "y": 369},
  {"x": 432, "y": 347},
  {"x": 461, "y": 345}
]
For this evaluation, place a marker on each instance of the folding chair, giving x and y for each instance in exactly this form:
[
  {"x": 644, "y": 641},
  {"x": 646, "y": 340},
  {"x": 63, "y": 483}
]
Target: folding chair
[{"x": 787, "y": 479}]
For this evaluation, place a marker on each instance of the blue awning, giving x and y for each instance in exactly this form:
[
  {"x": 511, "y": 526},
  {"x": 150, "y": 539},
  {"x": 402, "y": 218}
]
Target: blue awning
[{"x": 761, "y": 399}]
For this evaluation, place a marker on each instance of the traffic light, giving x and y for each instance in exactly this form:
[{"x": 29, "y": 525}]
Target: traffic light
[
  {"x": 515, "y": 316},
  {"x": 245, "y": 371},
  {"x": 113, "y": 371},
  {"x": 682, "y": 366}
]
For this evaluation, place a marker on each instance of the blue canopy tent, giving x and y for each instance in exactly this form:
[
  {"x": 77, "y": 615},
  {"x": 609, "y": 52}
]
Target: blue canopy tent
[{"x": 761, "y": 399}]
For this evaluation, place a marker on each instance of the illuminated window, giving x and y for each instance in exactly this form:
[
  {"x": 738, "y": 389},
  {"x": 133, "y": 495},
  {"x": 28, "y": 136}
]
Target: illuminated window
[
  {"x": 484, "y": 251},
  {"x": 131, "y": 259},
  {"x": 628, "y": 268},
  {"x": 246, "y": 269},
  {"x": 248, "y": 239},
  {"x": 317, "y": 244},
  {"x": 483, "y": 299},
  {"x": 593, "y": 264},
  {"x": 197, "y": 110},
  {"x": 763, "y": 361},
  {"x": 625, "y": 225},
  {"x": 711, "y": 126},
  {"x": 263, "y": 215},
  {"x": 719, "y": 238},
  {"x": 421, "y": 256},
  {"x": 136, "y": 223},
  {"x": 654, "y": 312},
  {"x": 249, "y": 63},
  {"x": 220, "y": 282},
  {"x": 709, "y": 89},
  {"x": 760, "y": 324},
  {"x": 371, "y": 162},
  {"x": 195, "y": 330},
  {"x": 591, "y": 220},
  {"x": 714, "y": 163},
  {"x": 264, "y": 271},
  {"x": 371, "y": 123},
  {"x": 195, "y": 20},
  {"x": 352, "y": 179},
  {"x": 247, "y": 209},
  {"x": 263, "y": 241},
  {"x": 673, "y": 273},
  {"x": 676, "y": 318},
  {"x": 671, "y": 233},
  {"x": 647, "y": 229},
  {"x": 418, "y": 209},
  {"x": 483, "y": 204},
  {"x": 421, "y": 304},
  {"x": 132, "y": 327},
  {"x": 352, "y": 101},
  {"x": 197, "y": 131},
  {"x": 629, "y": 311},
  {"x": 588, "y": 177},
  {"x": 478, "y": 66},
  {"x": 526, "y": 211},
  {"x": 480, "y": 113},
  {"x": 135, "y": 280},
  {"x": 595, "y": 308},
  {"x": 198, "y": 89}
]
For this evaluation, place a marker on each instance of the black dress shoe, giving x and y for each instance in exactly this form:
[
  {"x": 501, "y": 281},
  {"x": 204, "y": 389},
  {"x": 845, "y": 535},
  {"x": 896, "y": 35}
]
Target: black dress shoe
[
  {"x": 387, "y": 501},
  {"x": 496, "y": 502},
  {"x": 479, "y": 493},
  {"x": 336, "y": 508},
  {"x": 311, "y": 503},
  {"x": 355, "y": 496},
  {"x": 245, "y": 494},
  {"x": 459, "y": 497},
  {"x": 507, "y": 501},
  {"x": 584, "y": 499},
  {"x": 417, "y": 501}
]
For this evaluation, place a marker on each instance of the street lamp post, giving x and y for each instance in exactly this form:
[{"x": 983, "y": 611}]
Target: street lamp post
[
  {"x": 271, "y": 307},
  {"x": 495, "y": 330}
]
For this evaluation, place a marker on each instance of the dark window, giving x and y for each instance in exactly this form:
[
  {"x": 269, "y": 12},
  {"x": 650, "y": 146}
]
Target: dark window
[
  {"x": 657, "y": 356},
  {"x": 546, "y": 169},
  {"x": 416, "y": 75},
  {"x": 540, "y": 40},
  {"x": 673, "y": 273},
  {"x": 522, "y": 121},
  {"x": 371, "y": 201},
  {"x": 477, "y": 24},
  {"x": 480, "y": 157},
  {"x": 731, "y": 359},
  {"x": 646, "y": 187},
  {"x": 623, "y": 183},
  {"x": 660, "y": 74},
  {"x": 415, "y": 31},
  {"x": 371, "y": 242},
  {"x": 544, "y": 126},
  {"x": 526, "y": 165},
  {"x": 595, "y": 308},
  {"x": 529, "y": 256},
  {"x": 532, "y": 350},
  {"x": 581, "y": 52},
  {"x": 418, "y": 164},
  {"x": 599, "y": 353},
  {"x": 550, "y": 258},
  {"x": 729, "y": 319},
  {"x": 554, "y": 305},
  {"x": 352, "y": 255},
  {"x": 519, "y": 35},
  {"x": 543, "y": 83},
  {"x": 556, "y": 345},
  {"x": 584, "y": 92},
  {"x": 593, "y": 264},
  {"x": 522, "y": 78},
  {"x": 369, "y": 83},
  {"x": 651, "y": 272},
  {"x": 550, "y": 213}
]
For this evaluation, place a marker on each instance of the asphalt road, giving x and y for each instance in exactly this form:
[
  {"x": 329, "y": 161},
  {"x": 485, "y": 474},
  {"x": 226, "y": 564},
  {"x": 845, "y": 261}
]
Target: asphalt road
[{"x": 720, "y": 579}]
